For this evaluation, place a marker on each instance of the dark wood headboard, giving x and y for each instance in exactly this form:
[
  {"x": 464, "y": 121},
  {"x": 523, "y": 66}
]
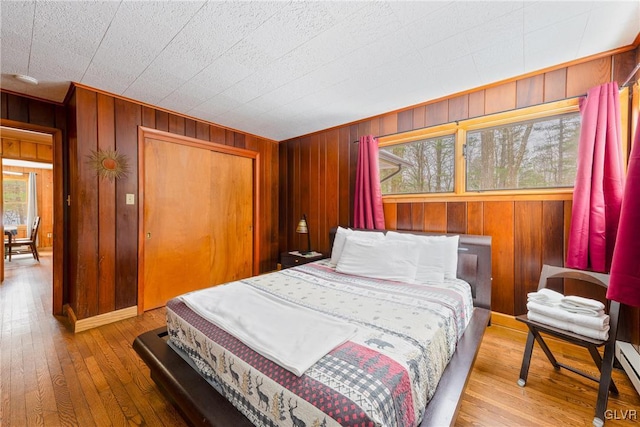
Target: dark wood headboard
[{"x": 474, "y": 262}]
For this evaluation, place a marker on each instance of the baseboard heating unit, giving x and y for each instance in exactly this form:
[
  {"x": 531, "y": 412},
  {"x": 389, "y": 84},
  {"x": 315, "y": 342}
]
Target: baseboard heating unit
[{"x": 629, "y": 358}]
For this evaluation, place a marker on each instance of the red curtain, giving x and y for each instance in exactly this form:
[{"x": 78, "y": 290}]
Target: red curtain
[
  {"x": 624, "y": 285},
  {"x": 597, "y": 195},
  {"x": 368, "y": 212}
]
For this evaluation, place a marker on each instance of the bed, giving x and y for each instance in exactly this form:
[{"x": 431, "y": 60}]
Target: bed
[{"x": 185, "y": 358}]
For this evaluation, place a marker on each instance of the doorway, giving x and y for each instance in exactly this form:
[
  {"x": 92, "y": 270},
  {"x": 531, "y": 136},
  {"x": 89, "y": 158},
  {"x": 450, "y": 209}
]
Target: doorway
[
  {"x": 197, "y": 216},
  {"x": 24, "y": 142}
]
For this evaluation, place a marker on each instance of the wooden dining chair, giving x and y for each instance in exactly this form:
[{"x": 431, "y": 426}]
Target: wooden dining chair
[
  {"x": 604, "y": 364},
  {"x": 30, "y": 242}
]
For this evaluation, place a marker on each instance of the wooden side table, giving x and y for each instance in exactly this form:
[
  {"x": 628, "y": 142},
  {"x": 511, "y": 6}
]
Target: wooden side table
[{"x": 292, "y": 259}]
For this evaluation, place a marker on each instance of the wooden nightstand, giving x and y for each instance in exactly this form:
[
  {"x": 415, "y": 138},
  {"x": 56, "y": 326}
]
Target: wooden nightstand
[{"x": 288, "y": 259}]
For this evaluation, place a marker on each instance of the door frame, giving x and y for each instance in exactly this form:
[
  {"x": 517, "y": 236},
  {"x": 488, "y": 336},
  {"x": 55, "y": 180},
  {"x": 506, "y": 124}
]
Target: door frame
[
  {"x": 59, "y": 213},
  {"x": 145, "y": 132}
]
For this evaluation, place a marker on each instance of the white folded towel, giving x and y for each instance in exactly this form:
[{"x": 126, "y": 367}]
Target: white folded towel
[
  {"x": 599, "y": 322},
  {"x": 581, "y": 302},
  {"x": 569, "y": 308},
  {"x": 580, "y": 305},
  {"x": 581, "y": 330},
  {"x": 546, "y": 296}
]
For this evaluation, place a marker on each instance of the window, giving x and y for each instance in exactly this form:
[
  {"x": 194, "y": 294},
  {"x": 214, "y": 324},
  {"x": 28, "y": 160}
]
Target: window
[
  {"x": 533, "y": 148},
  {"x": 424, "y": 166},
  {"x": 537, "y": 153},
  {"x": 15, "y": 201}
]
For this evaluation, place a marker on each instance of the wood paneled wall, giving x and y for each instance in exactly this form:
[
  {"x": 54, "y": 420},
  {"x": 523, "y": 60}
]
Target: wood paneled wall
[
  {"x": 35, "y": 112},
  {"x": 317, "y": 176},
  {"x": 104, "y": 231},
  {"x": 102, "y": 228},
  {"x": 27, "y": 150}
]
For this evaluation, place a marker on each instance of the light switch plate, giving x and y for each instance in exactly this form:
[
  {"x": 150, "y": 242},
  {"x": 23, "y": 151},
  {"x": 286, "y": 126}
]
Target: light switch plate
[{"x": 131, "y": 199}]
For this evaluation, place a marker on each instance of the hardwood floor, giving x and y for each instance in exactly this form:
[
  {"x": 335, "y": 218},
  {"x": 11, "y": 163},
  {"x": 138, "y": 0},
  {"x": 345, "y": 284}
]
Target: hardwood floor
[{"x": 51, "y": 377}]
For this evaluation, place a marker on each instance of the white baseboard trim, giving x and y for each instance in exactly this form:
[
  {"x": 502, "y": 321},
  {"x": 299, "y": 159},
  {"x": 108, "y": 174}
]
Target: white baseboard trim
[{"x": 629, "y": 358}]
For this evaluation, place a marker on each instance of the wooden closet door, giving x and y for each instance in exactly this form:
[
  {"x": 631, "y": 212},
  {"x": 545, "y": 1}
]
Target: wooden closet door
[
  {"x": 177, "y": 220},
  {"x": 231, "y": 217}
]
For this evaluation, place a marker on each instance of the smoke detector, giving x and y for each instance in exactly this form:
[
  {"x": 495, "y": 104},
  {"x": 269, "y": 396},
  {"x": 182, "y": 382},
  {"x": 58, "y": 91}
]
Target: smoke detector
[{"x": 26, "y": 79}]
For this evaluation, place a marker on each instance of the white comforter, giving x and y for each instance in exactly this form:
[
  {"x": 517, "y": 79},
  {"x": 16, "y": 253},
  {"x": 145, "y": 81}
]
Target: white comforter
[{"x": 384, "y": 375}]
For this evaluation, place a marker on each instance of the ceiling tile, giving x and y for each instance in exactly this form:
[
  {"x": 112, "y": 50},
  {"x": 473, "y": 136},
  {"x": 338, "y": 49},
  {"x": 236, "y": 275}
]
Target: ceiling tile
[
  {"x": 411, "y": 11},
  {"x": 193, "y": 94},
  {"x": 17, "y": 17},
  {"x": 496, "y": 30},
  {"x": 163, "y": 83},
  {"x": 249, "y": 55},
  {"x": 507, "y": 51},
  {"x": 626, "y": 16},
  {"x": 292, "y": 26},
  {"x": 461, "y": 74},
  {"x": 221, "y": 74},
  {"x": 283, "y": 68},
  {"x": 372, "y": 22},
  {"x": 76, "y": 27},
  {"x": 59, "y": 63},
  {"x": 114, "y": 79},
  {"x": 472, "y": 14},
  {"x": 555, "y": 43},
  {"x": 435, "y": 27},
  {"x": 140, "y": 31},
  {"x": 545, "y": 13},
  {"x": 446, "y": 50},
  {"x": 15, "y": 32},
  {"x": 15, "y": 56},
  {"x": 217, "y": 105}
]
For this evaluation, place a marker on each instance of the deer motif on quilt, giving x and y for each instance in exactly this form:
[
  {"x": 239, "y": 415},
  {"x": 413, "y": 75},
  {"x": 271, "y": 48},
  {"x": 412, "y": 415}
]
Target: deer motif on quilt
[
  {"x": 212, "y": 356},
  {"x": 234, "y": 375},
  {"x": 261, "y": 396},
  {"x": 295, "y": 421}
]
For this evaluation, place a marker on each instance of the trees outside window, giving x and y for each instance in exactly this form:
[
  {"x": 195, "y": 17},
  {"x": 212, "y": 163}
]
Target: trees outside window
[
  {"x": 533, "y": 154},
  {"x": 15, "y": 201},
  {"x": 428, "y": 167}
]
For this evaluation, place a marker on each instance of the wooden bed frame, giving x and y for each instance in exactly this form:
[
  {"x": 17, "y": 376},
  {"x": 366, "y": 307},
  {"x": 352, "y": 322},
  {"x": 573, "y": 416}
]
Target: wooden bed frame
[{"x": 201, "y": 405}]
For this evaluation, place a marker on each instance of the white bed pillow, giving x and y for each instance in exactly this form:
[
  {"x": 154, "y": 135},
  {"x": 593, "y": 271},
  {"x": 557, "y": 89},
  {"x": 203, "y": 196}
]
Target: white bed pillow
[
  {"x": 450, "y": 248},
  {"x": 338, "y": 244},
  {"x": 438, "y": 256},
  {"x": 380, "y": 259},
  {"x": 341, "y": 237}
]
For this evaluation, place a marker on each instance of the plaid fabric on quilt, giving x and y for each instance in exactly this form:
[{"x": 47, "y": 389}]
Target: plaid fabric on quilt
[{"x": 384, "y": 376}]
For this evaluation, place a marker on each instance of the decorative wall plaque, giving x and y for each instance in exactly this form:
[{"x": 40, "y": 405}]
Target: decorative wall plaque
[{"x": 109, "y": 164}]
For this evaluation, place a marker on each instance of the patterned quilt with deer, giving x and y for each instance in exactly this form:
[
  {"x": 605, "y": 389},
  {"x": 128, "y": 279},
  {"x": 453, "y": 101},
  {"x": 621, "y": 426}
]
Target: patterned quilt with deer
[{"x": 384, "y": 376}]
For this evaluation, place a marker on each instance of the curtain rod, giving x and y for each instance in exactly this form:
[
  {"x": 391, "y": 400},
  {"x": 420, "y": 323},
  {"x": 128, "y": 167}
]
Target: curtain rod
[{"x": 628, "y": 79}]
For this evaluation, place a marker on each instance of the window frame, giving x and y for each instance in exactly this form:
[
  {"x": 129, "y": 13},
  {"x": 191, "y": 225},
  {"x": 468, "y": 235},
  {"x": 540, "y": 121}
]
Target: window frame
[
  {"x": 439, "y": 134},
  {"x": 460, "y": 128}
]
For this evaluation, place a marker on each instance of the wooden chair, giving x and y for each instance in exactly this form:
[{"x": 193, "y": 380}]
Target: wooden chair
[
  {"x": 605, "y": 365},
  {"x": 30, "y": 242}
]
